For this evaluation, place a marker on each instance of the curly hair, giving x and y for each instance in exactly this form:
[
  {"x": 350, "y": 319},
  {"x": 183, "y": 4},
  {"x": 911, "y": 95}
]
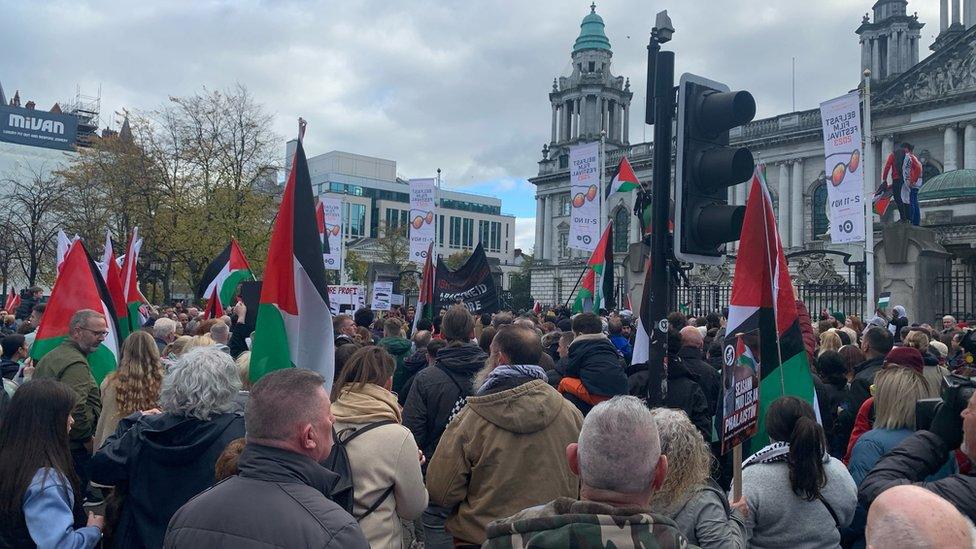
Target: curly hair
[
  {"x": 139, "y": 376},
  {"x": 201, "y": 384},
  {"x": 682, "y": 443}
]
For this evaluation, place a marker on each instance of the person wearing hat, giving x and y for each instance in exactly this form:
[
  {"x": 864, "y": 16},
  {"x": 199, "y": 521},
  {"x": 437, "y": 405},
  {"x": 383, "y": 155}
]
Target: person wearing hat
[{"x": 897, "y": 387}]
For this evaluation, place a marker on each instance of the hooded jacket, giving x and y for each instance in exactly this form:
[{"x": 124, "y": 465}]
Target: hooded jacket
[
  {"x": 411, "y": 365},
  {"x": 399, "y": 347},
  {"x": 277, "y": 500},
  {"x": 435, "y": 390},
  {"x": 68, "y": 364},
  {"x": 163, "y": 460},
  {"x": 595, "y": 361},
  {"x": 684, "y": 393},
  {"x": 504, "y": 452},
  {"x": 380, "y": 458}
]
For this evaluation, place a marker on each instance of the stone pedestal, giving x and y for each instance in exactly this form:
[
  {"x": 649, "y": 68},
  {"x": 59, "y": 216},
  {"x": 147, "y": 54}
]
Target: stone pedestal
[{"x": 908, "y": 260}]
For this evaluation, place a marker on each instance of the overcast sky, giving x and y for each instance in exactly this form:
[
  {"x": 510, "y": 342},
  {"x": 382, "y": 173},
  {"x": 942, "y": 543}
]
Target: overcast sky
[{"x": 457, "y": 85}]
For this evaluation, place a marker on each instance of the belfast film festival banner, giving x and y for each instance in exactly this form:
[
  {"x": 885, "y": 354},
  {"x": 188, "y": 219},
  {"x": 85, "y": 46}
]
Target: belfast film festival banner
[
  {"x": 472, "y": 284},
  {"x": 844, "y": 167},
  {"x": 584, "y": 178},
  {"x": 333, "y": 231},
  {"x": 421, "y": 218}
]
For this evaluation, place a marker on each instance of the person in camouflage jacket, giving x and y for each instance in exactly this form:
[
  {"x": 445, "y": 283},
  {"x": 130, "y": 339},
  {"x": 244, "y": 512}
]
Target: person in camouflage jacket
[{"x": 619, "y": 462}]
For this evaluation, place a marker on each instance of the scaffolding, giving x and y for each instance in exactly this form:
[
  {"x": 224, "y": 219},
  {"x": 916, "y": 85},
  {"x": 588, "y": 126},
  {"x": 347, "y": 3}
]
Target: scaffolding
[{"x": 87, "y": 109}]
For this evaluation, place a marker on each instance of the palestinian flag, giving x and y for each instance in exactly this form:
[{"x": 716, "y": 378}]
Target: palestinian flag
[
  {"x": 13, "y": 301},
  {"x": 294, "y": 324},
  {"x": 624, "y": 179},
  {"x": 112, "y": 277},
  {"x": 882, "y": 199},
  {"x": 884, "y": 298},
  {"x": 130, "y": 282},
  {"x": 597, "y": 290},
  {"x": 762, "y": 299},
  {"x": 79, "y": 286},
  {"x": 225, "y": 273},
  {"x": 214, "y": 308},
  {"x": 425, "y": 301}
]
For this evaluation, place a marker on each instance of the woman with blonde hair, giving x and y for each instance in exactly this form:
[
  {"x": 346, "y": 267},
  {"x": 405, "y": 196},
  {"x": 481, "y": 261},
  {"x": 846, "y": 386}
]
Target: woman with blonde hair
[
  {"x": 689, "y": 495},
  {"x": 172, "y": 352},
  {"x": 829, "y": 341},
  {"x": 933, "y": 372},
  {"x": 134, "y": 386},
  {"x": 384, "y": 458}
]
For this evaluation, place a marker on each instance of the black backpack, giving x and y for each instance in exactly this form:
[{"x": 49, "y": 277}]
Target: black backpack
[
  {"x": 338, "y": 462},
  {"x": 462, "y": 398}
]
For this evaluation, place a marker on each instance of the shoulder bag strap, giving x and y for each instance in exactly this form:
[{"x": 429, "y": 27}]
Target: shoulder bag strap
[
  {"x": 829, "y": 510},
  {"x": 376, "y": 503},
  {"x": 356, "y": 432}
]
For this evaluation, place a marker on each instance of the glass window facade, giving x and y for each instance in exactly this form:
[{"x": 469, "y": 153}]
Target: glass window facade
[
  {"x": 354, "y": 219},
  {"x": 621, "y": 230},
  {"x": 820, "y": 223}
]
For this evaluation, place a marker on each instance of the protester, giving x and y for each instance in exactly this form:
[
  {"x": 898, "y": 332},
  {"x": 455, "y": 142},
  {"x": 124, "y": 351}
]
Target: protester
[
  {"x": 909, "y": 517},
  {"x": 279, "y": 498},
  {"x": 344, "y": 328},
  {"x": 684, "y": 392},
  {"x": 29, "y": 299},
  {"x": 413, "y": 364},
  {"x": 616, "y": 328},
  {"x": 434, "y": 396},
  {"x": 220, "y": 334},
  {"x": 162, "y": 459},
  {"x": 14, "y": 350},
  {"x": 243, "y": 364},
  {"x": 164, "y": 332},
  {"x": 875, "y": 343},
  {"x": 852, "y": 355},
  {"x": 620, "y": 466},
  {"x": 383, "y": 455},
  {"x": 175, "y": 350},
  {"x": 398, "y": 347},
  {"x": 829, "y": 341},
  {"x": 835, "y": 400},
  {"x": 898, "y": 321},
  {"x": 40, "y": 494},
  {"x": 932, "y": 370},
  {"x": 502, "y": 453},
  {"x": 68, "y": 363},
  {"x": 593, "y": 372},
  {"x": 364, "y": 336},
  {"x": 795, "y": 494},
  {"x": 689, "y": 495},
  {"x": 691, "y": 353},
  {"x": 133, "y": 386}
]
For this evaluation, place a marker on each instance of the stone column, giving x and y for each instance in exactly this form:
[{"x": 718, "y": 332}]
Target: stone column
[
  {"x": 865, "y": 53},
  {"x": 914, "y": 49},
  {"x": 943, "y": 15},
  {"x": 876, "y": 59},
  {"x": 626, "y": 138},
  {"x": 955, "y": 12},
  {"x": 951, "y": 146},
  {"x": 890, "y": 58},
  {"x": 894, "y": 52},
  {"x": 540, "y": 222},
  {"x": 605, "y": 115},
  {"x": 554, "y": 120},
  {"x": 548, "y": 230},
  {"x": 783, "y": 215},
  {"x": 969, "y": 147},
  {"x": 796, "y": 205},
  {"x": 574, "y": 118}
]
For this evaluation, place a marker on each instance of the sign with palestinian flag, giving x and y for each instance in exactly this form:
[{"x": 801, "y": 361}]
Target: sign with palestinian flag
[
  {"x": 294, "y": 325},
  {"x": 762, "y": 301},
  {"x": 624, "y": 179},
  {"x": 78, "y": 286},
  {"x": 596, "y": 291},
  {"x": 225, "y": 273},
  {"x": 740, "y": 390}
]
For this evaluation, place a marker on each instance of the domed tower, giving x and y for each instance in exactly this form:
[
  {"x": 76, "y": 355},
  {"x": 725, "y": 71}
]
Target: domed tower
[
  {"x": 590, "y": 99},
  {"x": 889, "y": 40}
]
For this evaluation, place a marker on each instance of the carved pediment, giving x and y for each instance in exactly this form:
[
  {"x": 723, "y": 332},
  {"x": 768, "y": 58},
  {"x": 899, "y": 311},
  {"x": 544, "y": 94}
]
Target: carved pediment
[{"x": 946, "y": 75}]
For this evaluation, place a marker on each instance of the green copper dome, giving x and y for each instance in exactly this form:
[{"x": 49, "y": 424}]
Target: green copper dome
[
  {"x": 954, "y": 184},
  {"x": 592, "y": 36}
]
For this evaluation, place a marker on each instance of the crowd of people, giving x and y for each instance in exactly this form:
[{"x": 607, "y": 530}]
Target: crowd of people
[{"x": 491, "y": 430}]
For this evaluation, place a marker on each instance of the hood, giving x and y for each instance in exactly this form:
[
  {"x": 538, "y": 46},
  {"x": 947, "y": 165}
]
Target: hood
[
  {"x": 395, "y": 345},
  {"x": 415, "y": 362},
  {"x": 465, "y": 359},
  {"x": 174, "y": 439},
  {"x": 527, "y": 408},
  {"x": 366, "y": 404},
  {"x": 677, "y": 369},
  {"x": 583, "y": 348}
]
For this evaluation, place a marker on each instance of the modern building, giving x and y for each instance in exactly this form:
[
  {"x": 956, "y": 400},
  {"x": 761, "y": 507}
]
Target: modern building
[
  {"x": 376, "y": 199},
  {"x": 930, "y": 103}
]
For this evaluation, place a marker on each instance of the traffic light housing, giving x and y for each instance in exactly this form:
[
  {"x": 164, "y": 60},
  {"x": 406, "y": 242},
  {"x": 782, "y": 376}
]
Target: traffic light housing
[{"x": 705, "y": 167}]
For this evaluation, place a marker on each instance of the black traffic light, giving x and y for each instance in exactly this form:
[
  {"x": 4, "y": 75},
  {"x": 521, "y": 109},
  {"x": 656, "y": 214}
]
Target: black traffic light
[{"x": 705, "y": 167}]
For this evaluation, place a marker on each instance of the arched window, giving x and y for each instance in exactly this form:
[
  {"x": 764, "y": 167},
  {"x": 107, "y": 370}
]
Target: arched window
[
  {"x": 820, "y": 222},
  {"x": 621, "y": 230}
]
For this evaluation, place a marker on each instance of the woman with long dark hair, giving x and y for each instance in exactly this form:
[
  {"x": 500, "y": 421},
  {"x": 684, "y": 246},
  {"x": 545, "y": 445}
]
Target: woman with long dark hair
[
  {"x": 40, "y": 496},
  {"x": 795, "y": 494}
]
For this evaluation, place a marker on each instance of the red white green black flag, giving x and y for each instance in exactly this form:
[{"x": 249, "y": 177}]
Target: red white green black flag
[
  {"x": 596, "y": 291},
  {"x": 624, "y": 179},
  {"x": 225, "y": 273}
]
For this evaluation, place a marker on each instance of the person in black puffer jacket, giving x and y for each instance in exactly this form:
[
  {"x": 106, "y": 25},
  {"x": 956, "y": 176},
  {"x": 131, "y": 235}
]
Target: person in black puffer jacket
[
  {"x": 594, "y": 372},
  {"x": 413, "y": 364}
]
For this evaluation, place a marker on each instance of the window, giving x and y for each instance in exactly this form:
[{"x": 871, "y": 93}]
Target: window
[
  {"x": 562, "y": 248},
  {"x": 440, "y": 230},
  {"x": 455, "y": 233},
  {"x": 484, "y": 229},
  {"x": 564, "y": 205},
  {"x": 496, "y": 237},
  {"x": 354, "y": 219},
  {"x": 592, "y": 66},
  {"x": 820, "y": 222},
  {"x": 621, "y": 230},
  {"x": 467, "y": 233},
  {"x": 392, "y": 219}
]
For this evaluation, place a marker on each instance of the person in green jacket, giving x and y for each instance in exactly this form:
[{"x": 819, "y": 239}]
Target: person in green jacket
[
  {"x": 68, "y": 363},
  {"x": 398, "y": 346}
]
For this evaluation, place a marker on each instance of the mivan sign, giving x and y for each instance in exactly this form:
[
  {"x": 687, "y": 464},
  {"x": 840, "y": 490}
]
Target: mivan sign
[{"x": 38, "y": 128}]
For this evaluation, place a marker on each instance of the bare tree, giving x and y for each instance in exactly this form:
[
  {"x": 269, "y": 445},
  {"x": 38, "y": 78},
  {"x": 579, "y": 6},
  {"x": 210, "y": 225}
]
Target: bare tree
[{"x": 34, "y": 204}]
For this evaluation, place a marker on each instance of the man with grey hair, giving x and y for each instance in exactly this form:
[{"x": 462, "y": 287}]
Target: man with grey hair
[
  {"x": 164, "y": 332},
  {"x": 619, "y": 462},
  {"x": 912, "y": 517},
  {"x": 165, "y": 458},
  {"x": 280, "y": 498},
  {"x": 220, "y": 333},
  {"x": 68, "y": 363}
]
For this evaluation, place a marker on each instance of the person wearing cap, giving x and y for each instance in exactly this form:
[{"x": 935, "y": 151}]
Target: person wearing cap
[{"x": 897, "y": 387}]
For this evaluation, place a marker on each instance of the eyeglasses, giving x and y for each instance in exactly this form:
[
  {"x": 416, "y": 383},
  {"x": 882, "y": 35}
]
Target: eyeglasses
[
  {"x": 840, "y": 170},
  {"x": 96, "y": 332}
]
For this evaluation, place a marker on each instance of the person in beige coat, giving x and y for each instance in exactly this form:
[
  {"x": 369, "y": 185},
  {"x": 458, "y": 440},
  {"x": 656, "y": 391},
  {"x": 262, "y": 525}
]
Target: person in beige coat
[
  {"x": 505, "y": 450},
  {"x": 133, "y": 387},
  {"x": 385, "y": 456}
]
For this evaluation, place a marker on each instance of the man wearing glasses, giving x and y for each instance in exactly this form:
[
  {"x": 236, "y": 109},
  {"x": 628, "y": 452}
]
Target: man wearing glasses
[{"x": 68, "y": 363}]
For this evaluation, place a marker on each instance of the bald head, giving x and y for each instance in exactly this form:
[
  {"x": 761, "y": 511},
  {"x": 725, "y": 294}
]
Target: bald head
[
  {"x": 691, "y": 337},
  {"x": 912, "y": 517}
]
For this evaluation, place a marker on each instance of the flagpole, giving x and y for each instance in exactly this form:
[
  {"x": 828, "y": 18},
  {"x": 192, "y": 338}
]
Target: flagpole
[
  {"x": 437, "y": 200},
  {"x": 573, "y": 291},
  {"x": 772, "y": 272},
  {"x": 604, "y": 199},
  {"x": 868, "y": 209}
]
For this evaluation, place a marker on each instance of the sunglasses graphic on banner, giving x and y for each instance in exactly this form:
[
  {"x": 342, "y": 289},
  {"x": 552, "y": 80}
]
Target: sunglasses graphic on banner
[
  {"x": 334, "y": 229},
  {"x": 841, "y": 169},
  {"x": 421, "y": 218},
  {"x": 581, "y": 198}
]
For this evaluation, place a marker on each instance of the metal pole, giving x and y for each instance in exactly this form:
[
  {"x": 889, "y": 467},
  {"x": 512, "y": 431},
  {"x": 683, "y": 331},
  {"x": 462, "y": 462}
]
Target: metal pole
[
  {"x": 604, "y": 199},
  {"x": 437, "y": 198},
  {"x": 573, "y": 291},
  {"x": 663, "y": 93},
  {"x": 869, "y": 194}
]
